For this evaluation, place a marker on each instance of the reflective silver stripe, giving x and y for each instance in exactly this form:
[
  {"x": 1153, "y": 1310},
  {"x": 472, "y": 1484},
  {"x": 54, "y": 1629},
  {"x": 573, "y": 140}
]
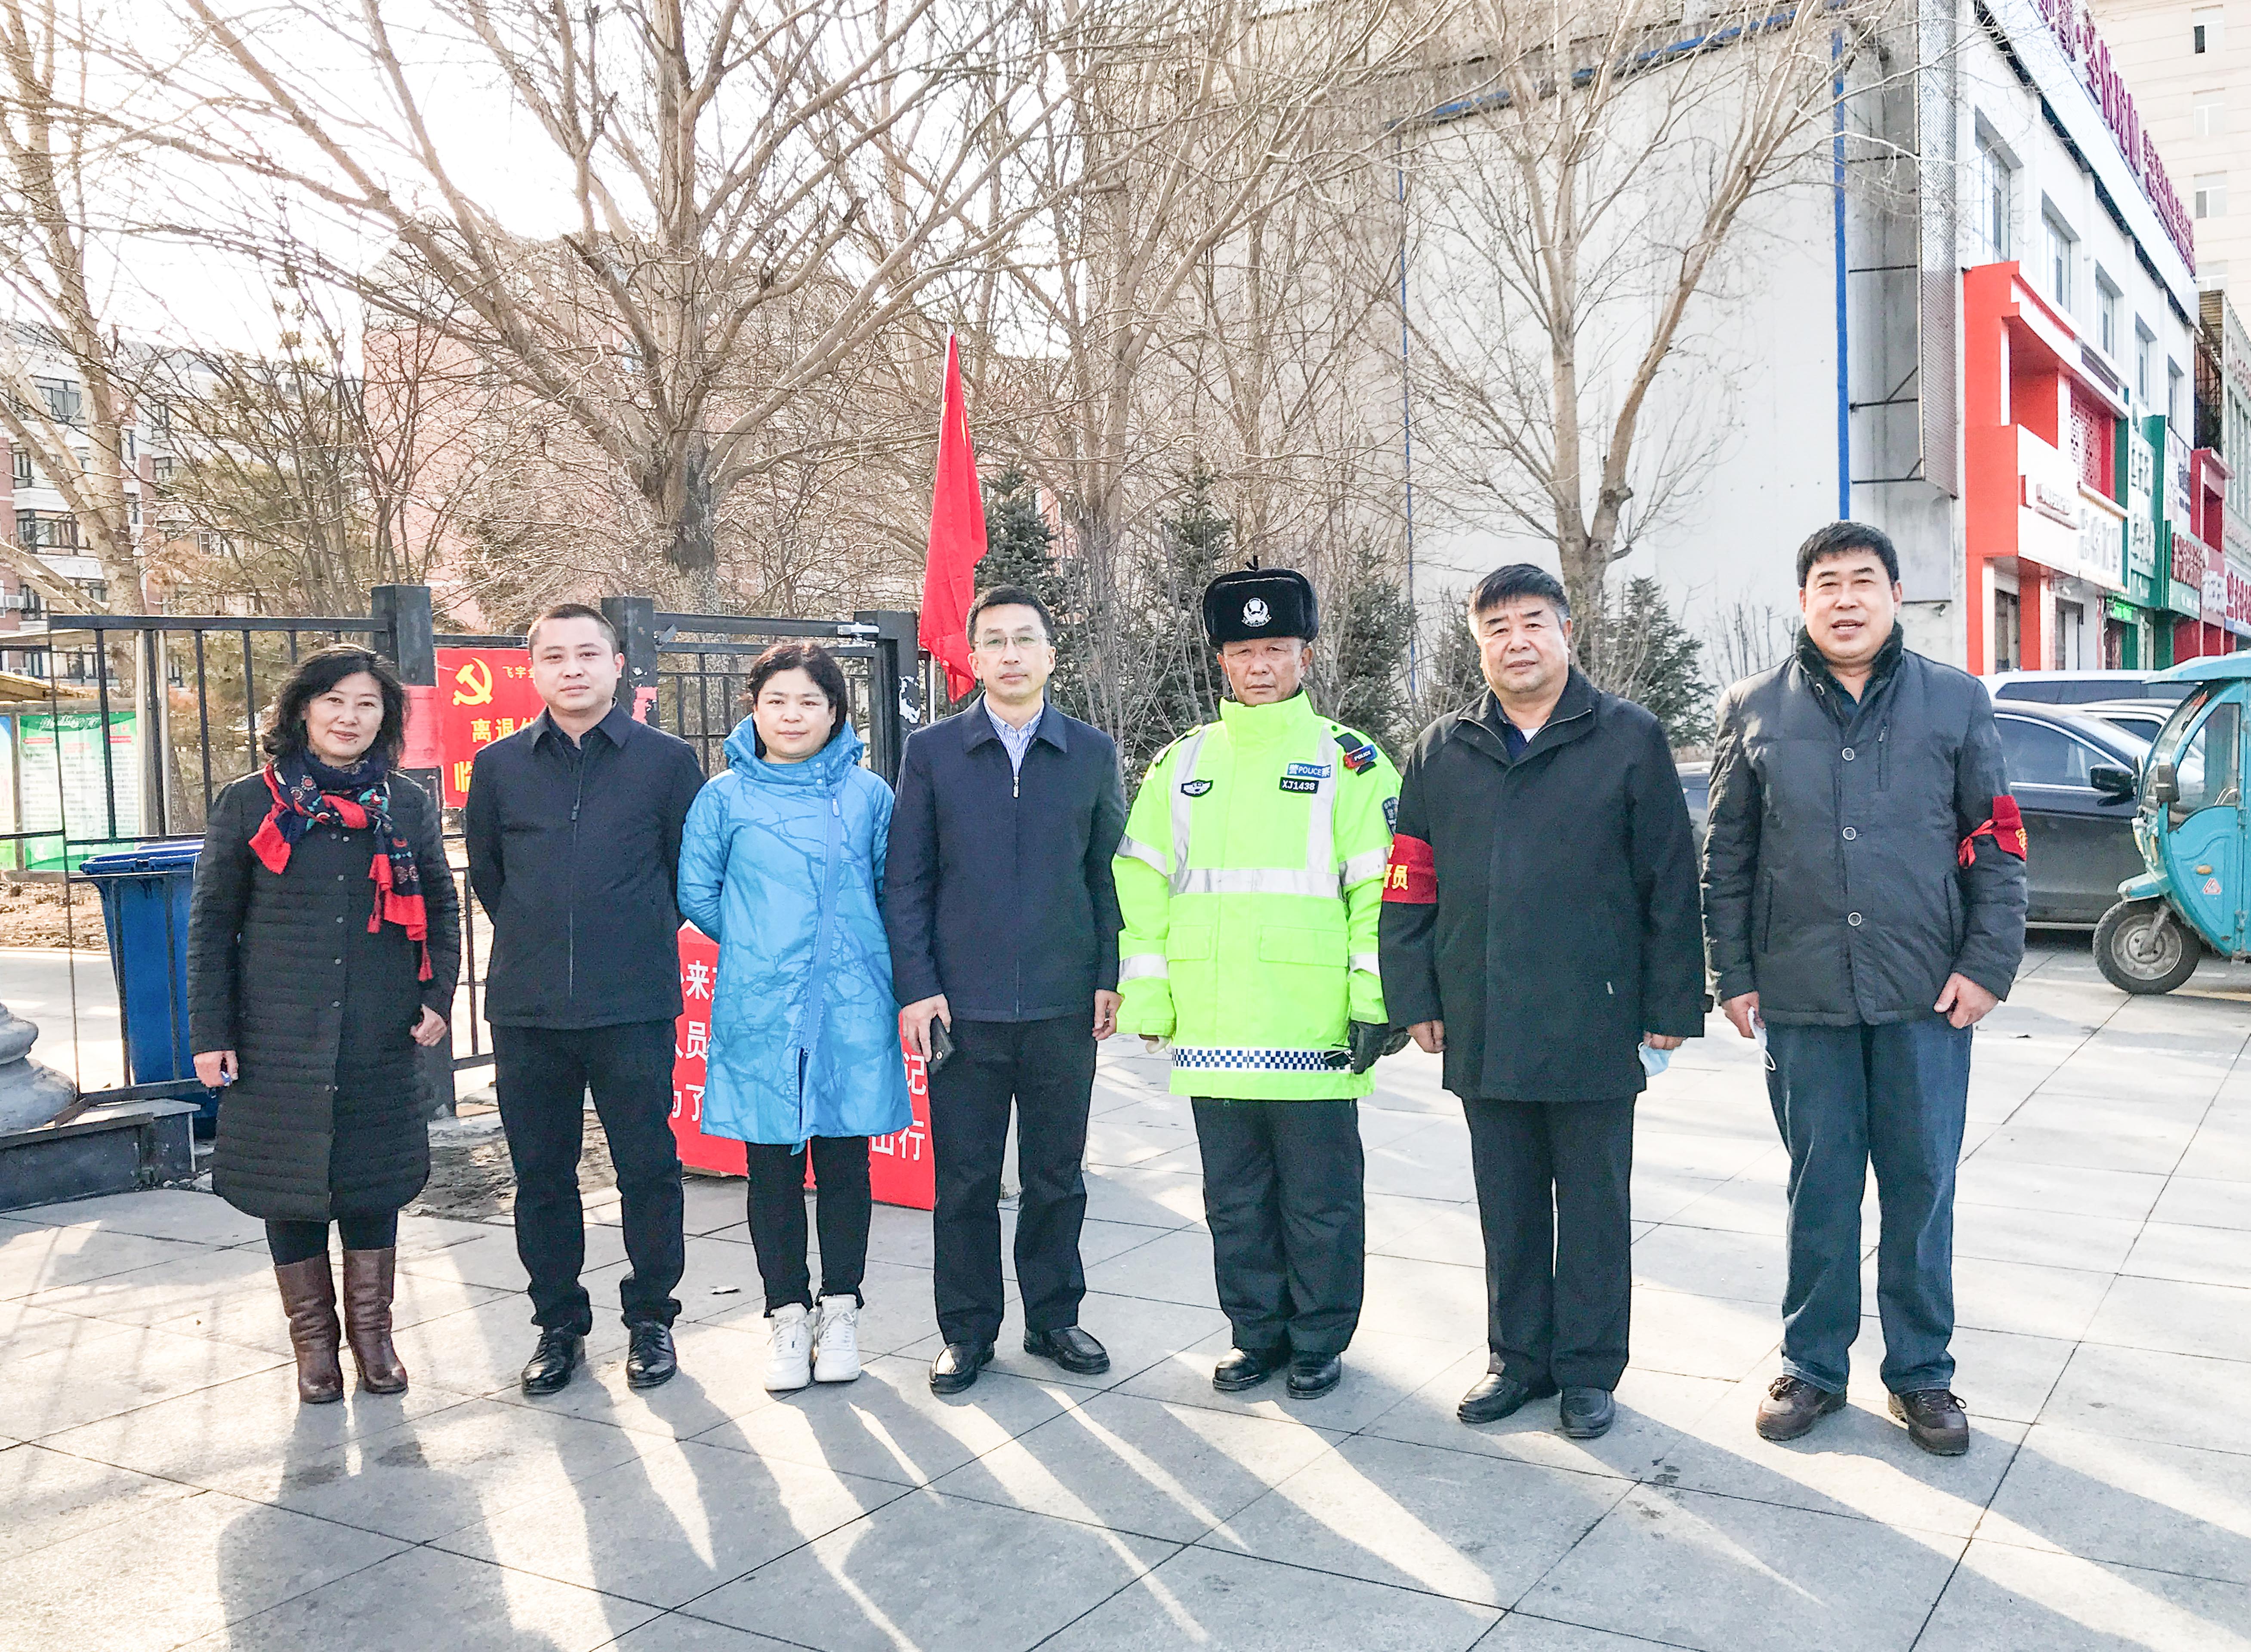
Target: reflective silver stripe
[
  {"x": 1361, "y": 868},
  {"x": 1255, "y": 880},
  {"x": 1141, "y": 852},
  {"x": 1184, "y": 771},
  {"x": 1367, "y": 962},
  {"x": 1253, "y": 1059},
  {"x": 1320, "y": 826},
  {"x": 1142, "y": 966}
]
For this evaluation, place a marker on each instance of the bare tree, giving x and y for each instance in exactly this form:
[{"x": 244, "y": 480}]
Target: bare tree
[
  {"x": 1577, "y": 197},
  {"x": 60, "y": 171},
  {"x": 1159, "y": 332},
  {"x": 741, "y": 184}
]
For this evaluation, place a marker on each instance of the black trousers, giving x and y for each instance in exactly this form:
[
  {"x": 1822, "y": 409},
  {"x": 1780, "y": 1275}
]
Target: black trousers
[
  {"x": 1283, "y": 1196},
  {"x": 300, "y": 1242},
  {"x": 1047, "y": 1068},
  {"x": 1553, "y": 1198},
  {"x": 777, "y": 1211},
  {"x": 543, "y": 1077}
]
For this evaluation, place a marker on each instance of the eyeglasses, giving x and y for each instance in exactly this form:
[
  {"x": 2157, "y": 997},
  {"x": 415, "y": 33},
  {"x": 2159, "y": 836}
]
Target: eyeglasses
[{"x": 992, "y": 643}]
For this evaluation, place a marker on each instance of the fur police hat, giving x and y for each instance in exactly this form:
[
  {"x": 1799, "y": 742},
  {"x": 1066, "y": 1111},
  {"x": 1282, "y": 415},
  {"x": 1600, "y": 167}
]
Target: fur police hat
[{"x": 1260, "y": 602}]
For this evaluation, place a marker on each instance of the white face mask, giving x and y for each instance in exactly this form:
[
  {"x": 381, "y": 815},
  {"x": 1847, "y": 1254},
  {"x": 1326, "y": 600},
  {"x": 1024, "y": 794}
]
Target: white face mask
[
  {"x": 1758, "y": 1037},
  {"x": 1654, "y": 1062}
]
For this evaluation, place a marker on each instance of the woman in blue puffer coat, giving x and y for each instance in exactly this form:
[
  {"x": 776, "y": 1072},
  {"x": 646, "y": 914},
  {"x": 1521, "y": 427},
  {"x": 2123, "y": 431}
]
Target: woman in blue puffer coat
[{"x": 782, "y": 865}]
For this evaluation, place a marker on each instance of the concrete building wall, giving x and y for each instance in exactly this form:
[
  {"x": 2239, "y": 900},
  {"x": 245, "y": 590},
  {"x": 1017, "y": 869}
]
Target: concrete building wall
[{"x": 2001, "y": 122}]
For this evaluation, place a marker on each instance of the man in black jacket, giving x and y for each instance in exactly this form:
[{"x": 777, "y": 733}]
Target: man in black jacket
[
  {"x": 574, "y": 826},
  {"x": 1864, "y": 895},
  {"x": 1540, "y": 929},
  {"x": 1003, "y": 924}
]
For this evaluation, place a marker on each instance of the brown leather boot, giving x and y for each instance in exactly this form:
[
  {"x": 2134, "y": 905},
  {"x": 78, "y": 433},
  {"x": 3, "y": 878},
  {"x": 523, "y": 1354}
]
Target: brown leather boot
[
  {"x": 308, "y": 1296},
  {"x": 368, "y": 1277}
]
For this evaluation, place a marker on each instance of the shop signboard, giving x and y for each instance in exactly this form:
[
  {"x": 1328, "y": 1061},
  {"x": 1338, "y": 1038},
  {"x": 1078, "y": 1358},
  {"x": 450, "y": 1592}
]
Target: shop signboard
[
  {"x": 901, "y": 1170},
  {"x": 2237, "y": 616},
  {"x": 483, "y": 695},
  {"x": 2189, "y": 558},
  {"x": 2063, "y": 524}
]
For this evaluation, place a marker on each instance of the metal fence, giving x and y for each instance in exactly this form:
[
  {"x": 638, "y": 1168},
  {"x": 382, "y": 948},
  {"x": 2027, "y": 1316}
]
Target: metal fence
[{"x": 202, "y": 683}]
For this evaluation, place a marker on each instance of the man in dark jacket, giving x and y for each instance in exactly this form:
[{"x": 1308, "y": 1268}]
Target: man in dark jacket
[
  {"x": 574, "y": 826},
  {"x": 1864, "y": 895},
  {"x": 1003, "y": 922},
  {"x": 1538, "y": 929}
]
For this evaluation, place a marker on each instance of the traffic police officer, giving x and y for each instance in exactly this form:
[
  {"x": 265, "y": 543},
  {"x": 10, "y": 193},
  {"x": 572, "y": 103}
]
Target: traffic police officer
[{"x": 1250, "y": 877}]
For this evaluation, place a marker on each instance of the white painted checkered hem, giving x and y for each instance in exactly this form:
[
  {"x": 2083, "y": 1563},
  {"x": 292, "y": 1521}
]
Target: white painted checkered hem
[{"x": 1227, "y": 1058}]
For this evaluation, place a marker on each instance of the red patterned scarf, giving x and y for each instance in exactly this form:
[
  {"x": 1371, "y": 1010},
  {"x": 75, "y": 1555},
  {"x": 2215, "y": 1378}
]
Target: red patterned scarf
[{"x": 306, "y": 792}]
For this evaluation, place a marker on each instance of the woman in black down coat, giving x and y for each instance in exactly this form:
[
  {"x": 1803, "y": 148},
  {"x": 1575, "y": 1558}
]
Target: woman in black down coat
[{"x": 322, "y": 946}]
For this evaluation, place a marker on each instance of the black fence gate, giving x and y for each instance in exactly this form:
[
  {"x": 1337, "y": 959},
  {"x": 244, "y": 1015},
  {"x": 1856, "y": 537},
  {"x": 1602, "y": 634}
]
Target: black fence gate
[{"x": 159, "y": 712}]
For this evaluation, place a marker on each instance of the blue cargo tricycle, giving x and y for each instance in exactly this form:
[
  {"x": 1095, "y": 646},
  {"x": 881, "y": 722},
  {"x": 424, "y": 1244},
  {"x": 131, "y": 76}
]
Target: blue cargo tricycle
[{"x": 2194, "y": 833}]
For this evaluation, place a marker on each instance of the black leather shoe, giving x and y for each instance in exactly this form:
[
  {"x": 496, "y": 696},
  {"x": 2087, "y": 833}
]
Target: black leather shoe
[
  {"x": 1313, "y": 1375},
  {"x": 553, "y": 1361},
  {"x": 1069, "y": 1347},
  {"x": 1498, "y": 1395},
  {"x": 1244, "y": 1368},
  {"x": 1586, "y": 1414},
  {"x": 957, "y": 1366},
  {"x": 651, "y": 1360}
]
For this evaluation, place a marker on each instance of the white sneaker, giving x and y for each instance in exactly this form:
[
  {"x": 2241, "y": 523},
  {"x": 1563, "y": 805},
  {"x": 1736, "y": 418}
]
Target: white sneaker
[
  {"x": 789, "y": 1355},
  {"x": 836, "y": 1349}
]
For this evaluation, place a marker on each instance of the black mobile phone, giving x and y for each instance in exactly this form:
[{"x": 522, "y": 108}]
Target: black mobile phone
[{"x": 941, "y": 1046}]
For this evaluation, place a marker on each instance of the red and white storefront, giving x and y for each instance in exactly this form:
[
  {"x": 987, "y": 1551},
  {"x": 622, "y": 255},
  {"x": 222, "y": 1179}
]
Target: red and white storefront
[
  {"x": 2044, "y": 531},
  {"x": 2200, "y": 560}
]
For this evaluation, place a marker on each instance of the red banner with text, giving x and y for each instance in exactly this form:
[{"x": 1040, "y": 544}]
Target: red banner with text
[
  {"x": 900, "y": 1168},
  {"x": 483, "y": 695}
]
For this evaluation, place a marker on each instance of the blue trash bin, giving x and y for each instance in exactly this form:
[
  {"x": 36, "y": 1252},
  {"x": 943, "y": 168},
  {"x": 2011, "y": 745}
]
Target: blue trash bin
[{"x": 144, "y": 906}]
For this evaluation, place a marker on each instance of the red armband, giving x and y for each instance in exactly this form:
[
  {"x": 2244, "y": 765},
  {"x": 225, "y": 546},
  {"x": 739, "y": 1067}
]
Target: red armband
[
  {"x": 1412, "y": 872},
  {"x": 2005, "y": 826}
]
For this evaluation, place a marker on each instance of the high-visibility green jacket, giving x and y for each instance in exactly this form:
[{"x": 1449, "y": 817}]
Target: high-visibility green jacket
[{"x": 1250, "y": 877}]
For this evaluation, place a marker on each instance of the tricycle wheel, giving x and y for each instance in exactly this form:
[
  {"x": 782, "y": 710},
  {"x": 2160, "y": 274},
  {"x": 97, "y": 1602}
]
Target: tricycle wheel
[{"x": 2141, "y": 947}]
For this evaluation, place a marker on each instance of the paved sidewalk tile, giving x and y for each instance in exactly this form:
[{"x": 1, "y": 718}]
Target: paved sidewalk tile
[
  {"x": 1477, "y": 1528},
  {"x": 2006, "y": 1598},
  {"x": 672, "y": 1522},
  {"x": 423, "y": 1600},
  {"x": 1206, "y": 1598},
  {"x": 199, "y": 1564},
  {"x": 52, "y": 1497},
  {"x": 1726, "y": 1574},
  {"x": 2129, "y": 1502},
  {"x": 889, "y": 1426},
  {"x": 935, "y": 1571},
  {"x": 2136, "y": 1393},
  {"x": 1165, "y": 1471}
]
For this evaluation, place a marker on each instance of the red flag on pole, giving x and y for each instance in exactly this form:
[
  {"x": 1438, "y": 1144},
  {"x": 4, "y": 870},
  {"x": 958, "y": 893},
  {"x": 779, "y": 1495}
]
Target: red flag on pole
[{"x": 957, "y": 537}]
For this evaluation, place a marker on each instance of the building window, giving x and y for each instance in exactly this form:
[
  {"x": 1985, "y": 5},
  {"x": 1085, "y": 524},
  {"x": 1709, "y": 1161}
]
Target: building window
[
  {"x": 2058, "y": 255},
  {"x": 2208, "y": 114},
  {"x": 2145, "y": 347},
  {"x": 22, "y": 466},
  {"x": 159, "y": 421},
  {"x": 2210, "y": 191},
  {"x": 2207, "y": 30},
  {"x": 161, "y": 467},
  {"x": 2106, "y": 314},
  {"x": 1996, "y": 189},
  {"x": 61, "y": 397},
  {"x": 2173, "y": 394}
]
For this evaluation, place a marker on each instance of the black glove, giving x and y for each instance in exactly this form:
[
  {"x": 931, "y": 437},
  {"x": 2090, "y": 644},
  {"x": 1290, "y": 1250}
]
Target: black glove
[{"x": 1373, "y": 1040}]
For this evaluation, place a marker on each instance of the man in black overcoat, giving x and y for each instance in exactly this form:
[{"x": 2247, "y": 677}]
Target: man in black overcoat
[{"x": 1540, "y": 931}]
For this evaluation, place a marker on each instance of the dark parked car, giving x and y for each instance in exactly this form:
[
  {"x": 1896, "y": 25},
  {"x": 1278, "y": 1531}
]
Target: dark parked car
[
  {"x": 2141, "y": 717},
  {"x": 2074, "y": 776},
  {"x": 2078, "y": 688}
]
